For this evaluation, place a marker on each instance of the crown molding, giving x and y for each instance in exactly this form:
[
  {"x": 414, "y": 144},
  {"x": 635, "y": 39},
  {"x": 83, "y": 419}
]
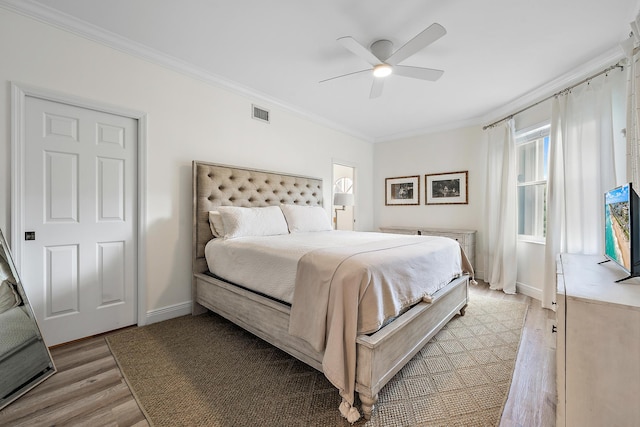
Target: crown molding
[
  {"x": 579, "y": 73},
  {"x": 71, "y": 24},
  {"x": 461, "y": 124},
  {"x": 595, "y": 65}
]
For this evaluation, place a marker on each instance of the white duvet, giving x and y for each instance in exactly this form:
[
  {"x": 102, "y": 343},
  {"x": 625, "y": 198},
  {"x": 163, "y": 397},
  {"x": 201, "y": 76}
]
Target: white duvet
[{"x": 268, "y": 264}]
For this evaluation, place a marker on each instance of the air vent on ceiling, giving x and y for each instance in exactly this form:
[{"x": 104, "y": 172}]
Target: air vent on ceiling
[{"x": 259, "y": 113}]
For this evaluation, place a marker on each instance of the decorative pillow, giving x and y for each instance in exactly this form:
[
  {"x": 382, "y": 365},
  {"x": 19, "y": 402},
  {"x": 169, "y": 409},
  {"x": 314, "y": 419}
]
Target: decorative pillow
[
  {"x": 9, "y": 298},
  {"x": 5, "y": 271},
  {"x": 306, "y": 218},
  {"x": 215, "y": 222},
  {"x": 240, "y": 222}
]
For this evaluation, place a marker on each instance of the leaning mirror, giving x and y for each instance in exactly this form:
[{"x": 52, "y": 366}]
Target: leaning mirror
[{"x": 25, "y": 360}]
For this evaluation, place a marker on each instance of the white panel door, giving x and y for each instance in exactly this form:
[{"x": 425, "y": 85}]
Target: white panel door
[{"x": 80, "y": 203}]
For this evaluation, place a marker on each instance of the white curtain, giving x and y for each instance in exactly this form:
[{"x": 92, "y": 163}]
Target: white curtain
[
  {"x": 501, "y": 203},
  {"x": 632, "y": 130},
  {"x": 581, "y": 168}
]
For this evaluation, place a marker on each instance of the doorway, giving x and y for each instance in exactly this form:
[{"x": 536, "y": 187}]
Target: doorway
[{"x": 343, "y": 197}]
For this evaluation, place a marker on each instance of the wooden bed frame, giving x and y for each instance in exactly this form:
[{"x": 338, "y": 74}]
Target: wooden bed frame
[{"x": 379, "y": 356}]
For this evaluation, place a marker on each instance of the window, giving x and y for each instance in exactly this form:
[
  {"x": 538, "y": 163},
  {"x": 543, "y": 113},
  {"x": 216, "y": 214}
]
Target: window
[{"x": 532, "y": 147}]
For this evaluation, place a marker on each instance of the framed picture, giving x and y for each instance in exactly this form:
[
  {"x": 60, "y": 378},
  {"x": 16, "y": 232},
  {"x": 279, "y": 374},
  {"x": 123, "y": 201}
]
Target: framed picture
[
  {"x": 404, "y": 190},
  {"x": 447, "y": 188}
]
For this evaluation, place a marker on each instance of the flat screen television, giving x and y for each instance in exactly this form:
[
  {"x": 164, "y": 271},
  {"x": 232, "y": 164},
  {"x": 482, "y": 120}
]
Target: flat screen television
[{"x": 622, "y": 228}]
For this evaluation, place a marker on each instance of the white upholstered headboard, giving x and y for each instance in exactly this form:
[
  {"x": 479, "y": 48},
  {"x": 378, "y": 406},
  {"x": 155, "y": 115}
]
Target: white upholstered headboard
[{"x": 220, "y": 185}]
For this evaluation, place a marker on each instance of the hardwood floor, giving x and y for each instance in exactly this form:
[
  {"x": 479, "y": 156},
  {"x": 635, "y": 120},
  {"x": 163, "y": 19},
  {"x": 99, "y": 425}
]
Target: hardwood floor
[
  {"x": 88, "y": 388},
  {"x": 532, "y": 398}
]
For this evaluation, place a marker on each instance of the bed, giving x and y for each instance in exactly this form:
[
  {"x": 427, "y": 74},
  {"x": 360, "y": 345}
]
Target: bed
[{"x": 379, "y": 354}]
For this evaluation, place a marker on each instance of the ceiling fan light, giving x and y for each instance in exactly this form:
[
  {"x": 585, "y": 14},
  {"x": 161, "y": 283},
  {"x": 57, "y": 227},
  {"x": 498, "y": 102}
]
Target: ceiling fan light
[{"x": 382, "y": 70}]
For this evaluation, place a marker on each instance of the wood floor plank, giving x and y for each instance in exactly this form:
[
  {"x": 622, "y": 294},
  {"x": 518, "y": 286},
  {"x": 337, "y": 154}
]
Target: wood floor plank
[
  {"x": 75, "y": 347},
  {"x": 49, "y": 402},
  {"x": 104, "y": 416},
  {"x": 89, "y": 389},
  {"x": 97, "y": 351},
  {"x": 74, "y": 408},
  {"x": 77, "y": 373},
  {"x": 128, "y": 413}
]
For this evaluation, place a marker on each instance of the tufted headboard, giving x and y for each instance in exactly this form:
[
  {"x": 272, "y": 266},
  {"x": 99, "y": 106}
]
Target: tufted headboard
[{"x": 219, "y": 185}]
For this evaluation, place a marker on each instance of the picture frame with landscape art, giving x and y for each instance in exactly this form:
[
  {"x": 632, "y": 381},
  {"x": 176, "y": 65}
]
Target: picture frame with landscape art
[
  {"x": 447, "y": 188},
  {"x": 403, "y": 190}
]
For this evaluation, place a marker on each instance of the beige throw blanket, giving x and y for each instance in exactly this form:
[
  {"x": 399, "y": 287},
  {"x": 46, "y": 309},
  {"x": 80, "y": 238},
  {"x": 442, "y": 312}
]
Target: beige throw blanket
[{"x": 346, "y": 291}]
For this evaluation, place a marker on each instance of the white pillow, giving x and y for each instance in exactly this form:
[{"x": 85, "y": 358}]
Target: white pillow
[
  {"x": 239, "y": 222},
  {"x": 5, "y": 270},
  {"x": 306, "y": 218},
  {"x": 215, "y": 222},
  {"x": 9, "y": 298}
]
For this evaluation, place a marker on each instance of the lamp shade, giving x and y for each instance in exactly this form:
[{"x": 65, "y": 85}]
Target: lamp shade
[{"x": 343, "y": 199}]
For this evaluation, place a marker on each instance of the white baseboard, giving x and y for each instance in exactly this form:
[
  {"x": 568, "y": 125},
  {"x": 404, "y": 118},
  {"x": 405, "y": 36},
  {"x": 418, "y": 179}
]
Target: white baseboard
[
  {"x": 168, "y": 312},
  {"x": 528, "y": 290}
]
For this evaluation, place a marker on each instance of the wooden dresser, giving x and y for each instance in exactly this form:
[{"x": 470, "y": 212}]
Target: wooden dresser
[
  {"x": 466, "y": 238},
  {"x": 598, "y": 343}
]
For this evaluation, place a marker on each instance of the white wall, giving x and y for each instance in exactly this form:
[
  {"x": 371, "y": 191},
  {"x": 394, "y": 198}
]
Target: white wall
[
  {"x": 454, "y": 150},
  {"x": 450, "y": 151},
  {"x": 187, "y": 120}
]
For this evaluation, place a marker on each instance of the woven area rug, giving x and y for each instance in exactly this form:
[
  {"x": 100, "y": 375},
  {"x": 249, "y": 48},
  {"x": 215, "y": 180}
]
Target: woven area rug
[{"x": 205, "y": 371}]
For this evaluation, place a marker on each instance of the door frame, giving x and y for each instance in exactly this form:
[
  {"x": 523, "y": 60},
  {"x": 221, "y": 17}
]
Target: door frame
[
  {"x": 19, "y": 93},
  {"x": 353, "y": 166}
]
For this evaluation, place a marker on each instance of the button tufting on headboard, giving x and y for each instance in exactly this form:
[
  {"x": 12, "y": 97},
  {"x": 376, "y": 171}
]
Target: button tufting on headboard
[{"x": 218, "y": 185}]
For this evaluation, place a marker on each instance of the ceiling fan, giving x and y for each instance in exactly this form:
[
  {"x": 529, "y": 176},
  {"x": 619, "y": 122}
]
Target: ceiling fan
[{"x": 385, "y": 61}]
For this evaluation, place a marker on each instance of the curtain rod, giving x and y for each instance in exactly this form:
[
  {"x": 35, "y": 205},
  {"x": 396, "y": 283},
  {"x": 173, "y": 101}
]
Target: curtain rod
[{"x": 563, "y": 91}]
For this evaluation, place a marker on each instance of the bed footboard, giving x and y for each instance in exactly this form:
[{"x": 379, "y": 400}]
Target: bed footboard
[
  {"x": 379, "y": 356},
  {"x": 382, "y": 355}
]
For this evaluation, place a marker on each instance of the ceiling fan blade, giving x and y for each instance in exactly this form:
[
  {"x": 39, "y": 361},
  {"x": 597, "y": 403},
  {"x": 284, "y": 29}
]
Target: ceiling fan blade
[
  {"x": 376, "y": 87},
  {"x": 345, "y": 75},
  {"x": 351, "y": 44},
  {"x": 419, "y": 42},
  {"x": 418, "y": 73}
]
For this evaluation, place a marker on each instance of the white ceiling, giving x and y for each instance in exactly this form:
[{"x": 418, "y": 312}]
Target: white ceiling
[{"x": 496, "y": 53}]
